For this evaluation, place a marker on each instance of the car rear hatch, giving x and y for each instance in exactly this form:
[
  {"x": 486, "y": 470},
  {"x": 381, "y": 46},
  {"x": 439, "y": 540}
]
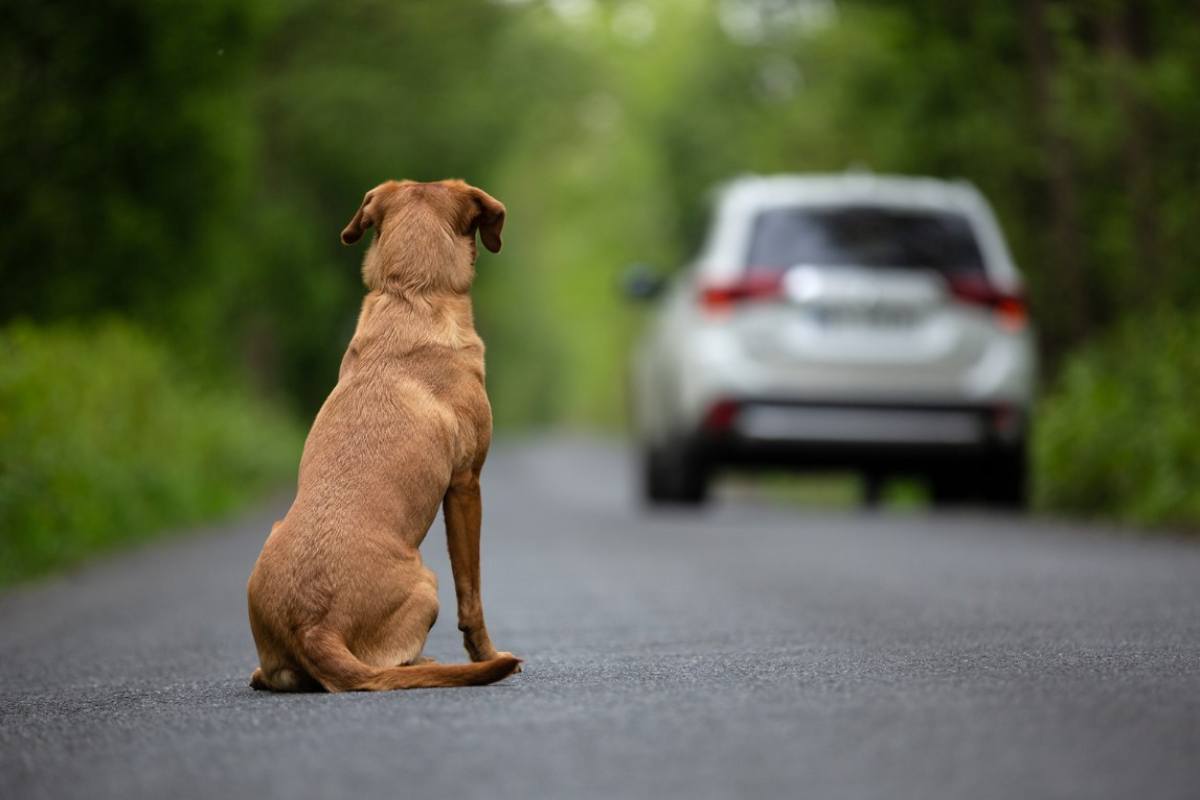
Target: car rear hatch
[{"x": 863, "y": 301}]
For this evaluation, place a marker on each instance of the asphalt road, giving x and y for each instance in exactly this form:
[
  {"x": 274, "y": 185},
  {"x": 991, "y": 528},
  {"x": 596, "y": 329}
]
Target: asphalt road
[{"x": 756, "y": 651}]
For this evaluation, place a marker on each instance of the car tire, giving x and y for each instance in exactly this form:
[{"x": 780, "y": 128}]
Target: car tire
[
  {"x": 999, "y": 482},
  {"x": 951, "y": 487},
  {"x": 1007, "y": 481},
  {"x": 674, "y": 474}
]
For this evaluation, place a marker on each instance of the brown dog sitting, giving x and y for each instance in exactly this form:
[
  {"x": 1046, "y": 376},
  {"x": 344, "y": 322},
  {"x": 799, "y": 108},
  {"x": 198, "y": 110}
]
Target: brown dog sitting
[{"x": 339, "y": 598}]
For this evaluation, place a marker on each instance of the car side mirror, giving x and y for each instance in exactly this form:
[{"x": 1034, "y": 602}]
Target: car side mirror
[{"x": 641, "y": 282}]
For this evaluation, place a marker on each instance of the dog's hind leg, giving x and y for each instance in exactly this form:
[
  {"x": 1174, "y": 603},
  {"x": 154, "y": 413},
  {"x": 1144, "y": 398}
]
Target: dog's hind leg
[{"x": 401, "y": 636}]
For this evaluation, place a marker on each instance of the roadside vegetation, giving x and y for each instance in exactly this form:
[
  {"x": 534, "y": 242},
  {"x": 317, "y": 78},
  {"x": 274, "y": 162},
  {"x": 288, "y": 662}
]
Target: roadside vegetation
[
  {"x": 1118, "y": 435},
  {"x": 186, "y": 170},
  {"x": 105, "y": 440}
]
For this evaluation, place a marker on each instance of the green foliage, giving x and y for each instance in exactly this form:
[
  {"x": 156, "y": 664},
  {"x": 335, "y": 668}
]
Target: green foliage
[
  {"x": 124, "y": 135},
  {"x": 104, "y": 440},
  {"x": 1117, "y": 434}
]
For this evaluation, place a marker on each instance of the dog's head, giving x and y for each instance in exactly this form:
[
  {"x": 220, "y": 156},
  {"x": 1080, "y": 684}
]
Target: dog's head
[{"x": 425, "y": 234}]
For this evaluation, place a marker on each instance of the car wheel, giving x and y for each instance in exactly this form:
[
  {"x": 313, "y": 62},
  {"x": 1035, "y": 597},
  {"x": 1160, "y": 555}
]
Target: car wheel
[
  {"x": 951, "y": 487},
  {"x": 674, "y": 474},
  {"x": 1007, "y": 481},
  {"x": 999, "y": 482}
]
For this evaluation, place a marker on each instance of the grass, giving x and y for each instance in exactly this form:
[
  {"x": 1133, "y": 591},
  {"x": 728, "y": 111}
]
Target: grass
[{"x": 831, "y": 490}]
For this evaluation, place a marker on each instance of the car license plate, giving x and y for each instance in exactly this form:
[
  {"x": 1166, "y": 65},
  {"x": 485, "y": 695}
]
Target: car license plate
[{"x": 877, "y": 316}]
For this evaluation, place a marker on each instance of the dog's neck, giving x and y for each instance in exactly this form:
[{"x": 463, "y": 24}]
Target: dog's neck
[
  {"x": 411, "y": 258},
  {"x": 409, "y": 321}
]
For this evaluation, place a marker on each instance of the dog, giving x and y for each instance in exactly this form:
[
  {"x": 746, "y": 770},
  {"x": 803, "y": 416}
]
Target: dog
[{"x": 339, "y": 598}]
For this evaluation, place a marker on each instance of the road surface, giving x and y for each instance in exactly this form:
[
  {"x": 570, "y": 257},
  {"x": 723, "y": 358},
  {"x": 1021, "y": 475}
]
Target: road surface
[{"x": 758, "y": 650}]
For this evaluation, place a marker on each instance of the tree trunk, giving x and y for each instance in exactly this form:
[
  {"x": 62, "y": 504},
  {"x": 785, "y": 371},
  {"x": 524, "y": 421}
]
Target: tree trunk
[
  {"x": 1066, "y": 240},
  {"x": 1136, "y": 158}
]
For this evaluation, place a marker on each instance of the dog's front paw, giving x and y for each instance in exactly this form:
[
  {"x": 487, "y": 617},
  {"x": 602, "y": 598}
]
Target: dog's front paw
[{"x": 505, "y": 654}]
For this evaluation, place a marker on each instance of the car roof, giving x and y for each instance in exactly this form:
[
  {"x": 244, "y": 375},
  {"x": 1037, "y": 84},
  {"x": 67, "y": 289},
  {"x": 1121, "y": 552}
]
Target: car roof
[{"x": 849, "y": 187}]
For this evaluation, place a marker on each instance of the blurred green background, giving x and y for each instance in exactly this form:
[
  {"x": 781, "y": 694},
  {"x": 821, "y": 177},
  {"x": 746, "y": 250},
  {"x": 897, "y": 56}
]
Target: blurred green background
[{"x": 175, "y": 301}]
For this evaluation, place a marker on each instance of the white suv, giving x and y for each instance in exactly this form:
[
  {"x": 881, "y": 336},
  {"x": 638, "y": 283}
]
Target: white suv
[{"x": 848, "y": 321}]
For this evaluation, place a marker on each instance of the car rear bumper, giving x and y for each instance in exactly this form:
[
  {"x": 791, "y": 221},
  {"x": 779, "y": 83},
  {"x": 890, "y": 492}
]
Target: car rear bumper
[{"x": 854, "y": 435}]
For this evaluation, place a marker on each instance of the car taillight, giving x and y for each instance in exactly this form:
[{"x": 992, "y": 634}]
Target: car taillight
[
  {"x": 720, "y": 416},
  {"x": 1007, "y": 422},
  {"x": 754, "y": 285},
  {"x": 1009, "y": 308}
]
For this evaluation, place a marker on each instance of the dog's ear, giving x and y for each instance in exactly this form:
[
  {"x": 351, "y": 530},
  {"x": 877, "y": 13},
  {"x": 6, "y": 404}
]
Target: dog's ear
[
  {"x": 487, "y": 216},
  {"x": 362, "y": 219}
]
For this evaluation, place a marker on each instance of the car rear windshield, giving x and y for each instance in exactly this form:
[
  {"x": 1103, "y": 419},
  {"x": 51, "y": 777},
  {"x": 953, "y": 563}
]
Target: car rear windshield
[{"x": 865, "y": 236}]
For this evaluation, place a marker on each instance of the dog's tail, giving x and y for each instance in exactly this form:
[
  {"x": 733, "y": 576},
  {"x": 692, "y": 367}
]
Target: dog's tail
[{"x": 332, "y": 664}]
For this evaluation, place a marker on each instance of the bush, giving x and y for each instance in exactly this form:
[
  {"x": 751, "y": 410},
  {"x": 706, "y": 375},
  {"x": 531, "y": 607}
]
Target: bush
[
  {"x": 1119, "y": 434},
  {"x": 105, "y": 440}
]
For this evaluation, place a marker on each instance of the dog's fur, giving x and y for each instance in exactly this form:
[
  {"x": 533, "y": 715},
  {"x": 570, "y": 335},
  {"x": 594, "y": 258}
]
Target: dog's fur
[{"x": 339, "y": 599}]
